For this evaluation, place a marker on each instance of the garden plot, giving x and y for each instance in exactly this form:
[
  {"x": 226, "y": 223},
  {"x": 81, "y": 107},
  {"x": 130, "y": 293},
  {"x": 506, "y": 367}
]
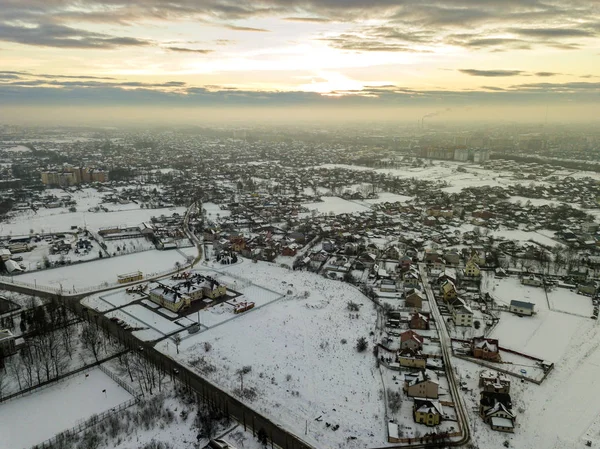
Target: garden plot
[
  {"x": 213, "y": 210},
  {"x": 535, "y": 335},
  {"x": 302, "y": 357},
  {"x": 104, "y": 271},
  {"x": 128, "y": 246},
  {"x": 34, "y": 418},
  {"x": 562, "y": 299}
]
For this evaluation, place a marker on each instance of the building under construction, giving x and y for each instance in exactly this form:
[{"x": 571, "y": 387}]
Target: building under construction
[{"x": 476, "y": 156}]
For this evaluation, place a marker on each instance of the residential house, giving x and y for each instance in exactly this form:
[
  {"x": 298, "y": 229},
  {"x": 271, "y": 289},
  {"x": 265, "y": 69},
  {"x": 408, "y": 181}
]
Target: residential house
[
  {"x": 423, "y": 384},
  {"x": 496, "y": 410},
  {"x": 448, "y": 290},
  {"x": 427, "y": 411},
  {"x": 452, "y": 257},
  {"x": 411, "y": 340},
  {"x": 431, "y": 255},
  {"x": 462, "y": 315},
  {"x": 414, "y": 298},
  {"x": 494, "y": 382},
  {"x": 449, "y": 274},
  {"x": 411, "y": 279},
  {"x": 477, "y": 256},
  {"x": 329, "y": 245},
  {"x": 412, "y": 359},
  {"x": 521, "y": 307},
  {"x": 392, "y": 253},
  {"x": 532, "y": 280},
  {"x": 472, "y": 269},
  {"x": 388, "y": 285},
  {"x": 419, "y": 321},
  {"x": 290, "y": 250},
  {"x": 486, "y": 349}
]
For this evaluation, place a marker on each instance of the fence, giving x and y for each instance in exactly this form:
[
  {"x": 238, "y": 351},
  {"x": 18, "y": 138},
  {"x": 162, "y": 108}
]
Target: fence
[
  {"x": 51, "y": 382},
  {"x": 89, "y": 289},
  {"x": 92, "y": 421},
  {"x": 42, "y": 386},
  {"x": 124, "y": 385}
]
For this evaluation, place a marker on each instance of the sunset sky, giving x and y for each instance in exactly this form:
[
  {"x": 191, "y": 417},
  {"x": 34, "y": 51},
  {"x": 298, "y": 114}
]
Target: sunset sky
[{"x": 273, "y": 52}]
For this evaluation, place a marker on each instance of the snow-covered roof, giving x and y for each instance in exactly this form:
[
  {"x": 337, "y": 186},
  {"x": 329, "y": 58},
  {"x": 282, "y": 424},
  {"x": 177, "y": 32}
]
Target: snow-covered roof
[
  {"x": 522, "y": 304},
  {"x": 502, "y": 422},
  {"x": 12, "y": 266}
]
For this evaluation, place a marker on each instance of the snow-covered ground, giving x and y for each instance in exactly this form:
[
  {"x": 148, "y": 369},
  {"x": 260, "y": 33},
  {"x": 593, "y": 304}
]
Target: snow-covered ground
[
  {"x": 301, "y": 369},
  {"x": 336, "y": 205},
  {"x": 536, "y": 335},
  {"x": 563, "y": 411},
  {"x": 34, "y": 418},
  {"x": 524, "y": 236},
  {"x": 534, "y": 201},
  {"x": 104, "y": 270},
  {"x": 61, "y": 220},
  {"x": 213, "y": 209}
]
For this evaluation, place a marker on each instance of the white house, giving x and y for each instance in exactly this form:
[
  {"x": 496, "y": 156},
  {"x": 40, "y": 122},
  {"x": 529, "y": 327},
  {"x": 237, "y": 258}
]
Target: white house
[
  {"x": 462, "y": 315},
  {"x": 521, "y": 307}
]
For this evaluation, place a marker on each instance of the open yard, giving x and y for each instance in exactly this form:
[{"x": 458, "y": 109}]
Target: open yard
[
  {"x": 301, "y": 358},
  {"x": 563, "y": 411},
  {"x": 104, "y": 270},
  {"x": 34, "y": 418}
]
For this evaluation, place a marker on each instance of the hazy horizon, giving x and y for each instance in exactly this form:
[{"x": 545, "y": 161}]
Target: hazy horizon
[{"x": 330, "y": 59}]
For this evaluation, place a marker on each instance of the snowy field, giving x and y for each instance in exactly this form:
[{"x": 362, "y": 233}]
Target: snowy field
[
  {"x": 534, "y": 201},
  {"x": 34, "y": 418},
  {"x": 300, "y": 367},
  {"x": 564, "y": 411},
  {"x": 336, "y": 205},
  {"x": 212, "y": 210},
  {"x": 536, "y": 335},
  {"x": 104, "y": 270},
  {"x": 524, "y": 236},
  {"x": 562, "y": 299},
  {"x": 61, "y": 220},
  {"x": 447, "y": 171}
]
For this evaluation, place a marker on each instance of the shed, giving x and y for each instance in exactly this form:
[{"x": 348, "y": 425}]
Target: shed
[{"x": 521, "y": 307}]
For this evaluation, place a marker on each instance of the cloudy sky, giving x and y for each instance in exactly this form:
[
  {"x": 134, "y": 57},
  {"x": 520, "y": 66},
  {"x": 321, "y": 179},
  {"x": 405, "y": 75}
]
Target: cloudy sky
[{"x": 288, "y": 52}]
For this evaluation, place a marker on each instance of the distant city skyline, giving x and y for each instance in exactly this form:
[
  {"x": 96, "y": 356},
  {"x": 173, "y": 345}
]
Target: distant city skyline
[{"x": 295, "y": 53}]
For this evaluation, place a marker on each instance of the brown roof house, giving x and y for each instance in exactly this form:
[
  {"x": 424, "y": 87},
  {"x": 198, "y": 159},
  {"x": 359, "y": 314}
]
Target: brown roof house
[
  {"x": 411, "y": 340},
  {"x": 486, "y": 349},
  {"x": 419, "y": 321}
]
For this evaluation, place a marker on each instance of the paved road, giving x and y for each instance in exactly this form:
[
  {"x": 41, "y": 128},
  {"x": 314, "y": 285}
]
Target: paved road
[{"x": 446, "y": 344}]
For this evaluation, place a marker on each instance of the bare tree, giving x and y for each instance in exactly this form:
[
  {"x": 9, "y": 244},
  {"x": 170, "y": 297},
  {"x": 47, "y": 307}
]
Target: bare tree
[{"x": 91, "y": 339}]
